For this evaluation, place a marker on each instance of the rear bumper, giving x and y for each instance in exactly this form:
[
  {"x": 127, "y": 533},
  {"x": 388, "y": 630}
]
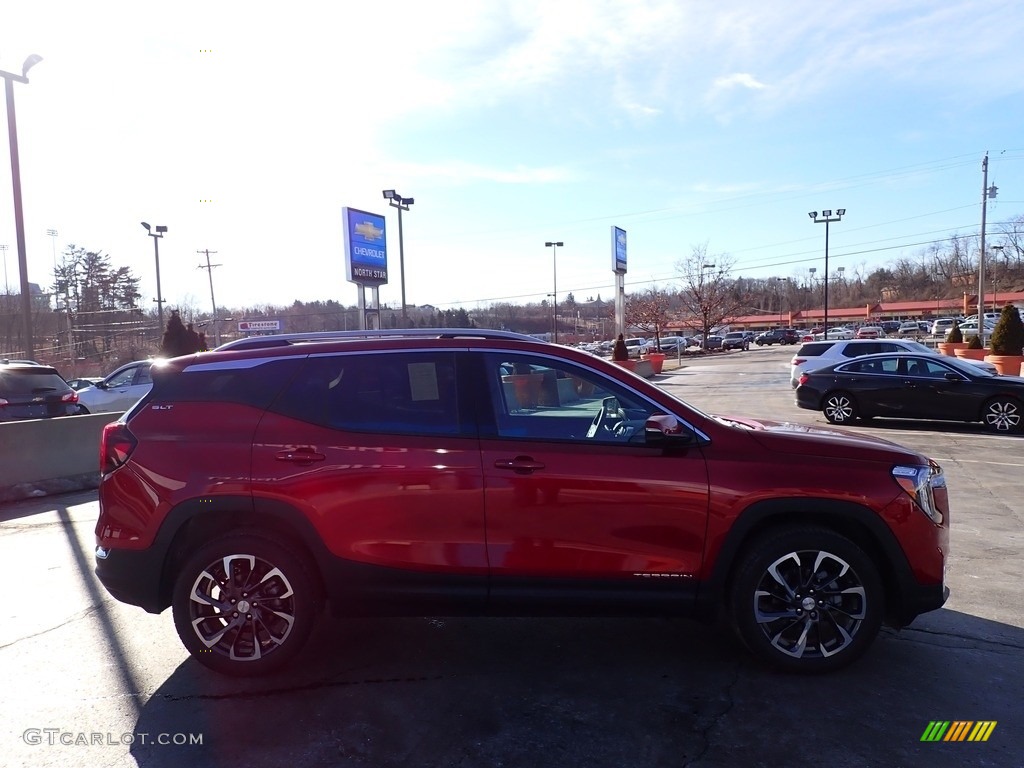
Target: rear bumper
[{"x": 131, "y": 576}]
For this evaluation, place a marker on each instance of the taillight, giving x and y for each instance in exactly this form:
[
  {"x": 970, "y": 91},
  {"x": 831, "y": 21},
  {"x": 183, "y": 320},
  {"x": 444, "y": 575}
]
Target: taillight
[
  {"x": 116, "y": 446},
  {"x": 804, "y": 378},
  {"x": 70, "y": 397},
  {"x": 798, "y": 361}
]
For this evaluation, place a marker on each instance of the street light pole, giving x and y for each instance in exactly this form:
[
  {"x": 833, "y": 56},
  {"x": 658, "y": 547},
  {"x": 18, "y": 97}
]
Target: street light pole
[
  {"x": 19, "y": 213},
  {"x": 395, "y": 200},
  {"x": 826, "y": 218},
  {"x": 156, "y": 233},
  {"x": 554, "y": 246}
]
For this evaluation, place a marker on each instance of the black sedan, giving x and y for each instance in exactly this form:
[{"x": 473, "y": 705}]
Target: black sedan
[{"x": 908, "y": 386}]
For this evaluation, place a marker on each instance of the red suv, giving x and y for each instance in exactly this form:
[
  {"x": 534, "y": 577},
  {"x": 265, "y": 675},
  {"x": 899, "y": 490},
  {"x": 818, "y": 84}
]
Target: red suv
[{"x": 467, "y": 472}]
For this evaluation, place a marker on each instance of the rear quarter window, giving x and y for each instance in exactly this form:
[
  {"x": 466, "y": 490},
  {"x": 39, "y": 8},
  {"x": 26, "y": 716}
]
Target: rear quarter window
[
  {"x": 257, "y": 385},
  {"x": 814, "y": 349}
]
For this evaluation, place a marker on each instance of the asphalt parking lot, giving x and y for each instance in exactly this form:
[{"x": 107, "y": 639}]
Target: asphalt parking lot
[{"x": 89, "y": 681}]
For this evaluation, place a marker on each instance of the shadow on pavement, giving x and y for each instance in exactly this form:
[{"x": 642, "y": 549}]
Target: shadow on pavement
[{"x": 593, "y": 692}]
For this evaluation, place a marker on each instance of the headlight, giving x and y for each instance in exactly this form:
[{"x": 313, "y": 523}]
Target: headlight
[{"x": 920, "y": 484}]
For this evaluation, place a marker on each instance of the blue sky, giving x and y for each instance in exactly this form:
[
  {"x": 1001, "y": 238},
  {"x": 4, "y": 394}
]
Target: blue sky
[{"x": 511, "y": 124}]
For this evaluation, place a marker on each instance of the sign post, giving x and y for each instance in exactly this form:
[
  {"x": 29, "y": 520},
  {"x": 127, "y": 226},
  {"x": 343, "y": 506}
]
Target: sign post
[{"x": 619, "y": 268}]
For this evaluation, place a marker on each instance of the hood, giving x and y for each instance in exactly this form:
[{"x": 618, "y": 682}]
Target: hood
[{"x": 805, "y": 439}]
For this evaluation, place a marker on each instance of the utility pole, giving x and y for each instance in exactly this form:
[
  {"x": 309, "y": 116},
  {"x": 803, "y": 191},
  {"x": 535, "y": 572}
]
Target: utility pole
[
  {"x": 209, "y": 273},
  {"x": 986, "y": 193}
]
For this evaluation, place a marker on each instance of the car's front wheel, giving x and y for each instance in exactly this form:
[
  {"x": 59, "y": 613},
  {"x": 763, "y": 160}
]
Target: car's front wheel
[
  {"x": 806, "y": 599},
  {"x": 244, "y": 605},
  {"x": 839, "y": 408}
]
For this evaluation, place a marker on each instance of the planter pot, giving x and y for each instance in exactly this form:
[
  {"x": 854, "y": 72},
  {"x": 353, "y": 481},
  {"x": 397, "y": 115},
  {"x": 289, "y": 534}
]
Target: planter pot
[
  {"x": 1008, "y": 365},
  {"x": 629, "y": 365},
  {"x": 972, "y": 354},
  {"x": 950, "y": 347},
  {"x": 657, "y": 360},
  {"x": 527, "y": 388}
]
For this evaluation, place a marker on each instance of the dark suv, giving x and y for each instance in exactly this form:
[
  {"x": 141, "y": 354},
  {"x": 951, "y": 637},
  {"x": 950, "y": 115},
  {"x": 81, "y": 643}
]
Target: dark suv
[
  {"x": 468, "y": 472},
  {"x": 778, "y": 336},
  {"x": 32, "y": 391}
]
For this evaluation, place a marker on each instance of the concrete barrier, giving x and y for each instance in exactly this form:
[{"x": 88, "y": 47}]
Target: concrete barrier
[{"x": 43, "y": 456}]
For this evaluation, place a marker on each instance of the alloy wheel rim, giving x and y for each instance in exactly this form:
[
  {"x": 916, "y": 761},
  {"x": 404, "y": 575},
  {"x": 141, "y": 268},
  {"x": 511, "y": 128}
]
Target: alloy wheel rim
[
  {"x": 810, "y": 604},
  {"x": 839, "y": 408},
  {"x": 242, "y": 607},
  {"x": 1004, "y": 416}
]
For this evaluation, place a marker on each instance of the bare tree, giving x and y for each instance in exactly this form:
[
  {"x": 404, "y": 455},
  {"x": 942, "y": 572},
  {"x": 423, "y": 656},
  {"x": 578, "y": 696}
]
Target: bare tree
[{"x": 708, "y": 292}]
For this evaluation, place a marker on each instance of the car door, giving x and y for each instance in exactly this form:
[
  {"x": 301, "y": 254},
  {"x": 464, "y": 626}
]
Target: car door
[
  {"x": 936, "y": 391},
  {"x": 127, "y": 387},
  {"x": 378, "y": 450},
  {"x": 580, "y": 510}
]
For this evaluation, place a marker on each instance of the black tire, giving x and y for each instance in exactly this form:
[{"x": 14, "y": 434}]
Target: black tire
[
  {"x": 806, "y": 599},
  {"x": 82, "y": 410},
  {"x": 1003, "y": 415},
  {"x": 839, "y": 407},
  {"x": 273, "y": 586}
]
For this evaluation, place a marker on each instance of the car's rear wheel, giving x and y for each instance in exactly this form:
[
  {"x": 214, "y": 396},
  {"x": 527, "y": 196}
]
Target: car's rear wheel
[
  {"x": 244, "y": 605},
  {"x": 1003, "y": 414},
  {"x": 839, "y": 407},
  {"x": 806, "y": 599}
]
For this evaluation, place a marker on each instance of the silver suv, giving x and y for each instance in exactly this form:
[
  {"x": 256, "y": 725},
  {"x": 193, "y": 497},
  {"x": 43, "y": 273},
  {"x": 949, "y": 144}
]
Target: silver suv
[{"x": 817, "y": 354}]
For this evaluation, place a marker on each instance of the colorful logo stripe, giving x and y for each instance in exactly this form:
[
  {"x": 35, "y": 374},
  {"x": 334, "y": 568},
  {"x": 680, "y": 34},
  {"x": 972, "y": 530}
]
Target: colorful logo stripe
[{"x": 959, "y": 730}]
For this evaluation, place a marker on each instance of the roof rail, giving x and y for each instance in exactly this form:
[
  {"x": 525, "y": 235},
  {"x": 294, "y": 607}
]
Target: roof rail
[{"x": 288, "y": 339}]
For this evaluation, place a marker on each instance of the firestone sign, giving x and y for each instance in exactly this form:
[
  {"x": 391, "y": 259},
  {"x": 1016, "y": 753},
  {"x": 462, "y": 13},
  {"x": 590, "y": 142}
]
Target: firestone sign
[{"x": 248, "y": 326}]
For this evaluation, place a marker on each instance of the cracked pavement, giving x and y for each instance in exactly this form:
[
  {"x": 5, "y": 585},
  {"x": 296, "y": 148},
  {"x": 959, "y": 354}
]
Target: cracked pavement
[{"x": 526, "y": 692}]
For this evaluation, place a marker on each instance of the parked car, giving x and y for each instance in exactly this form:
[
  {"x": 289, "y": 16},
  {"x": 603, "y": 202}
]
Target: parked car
[
  {"x": 911, "y": 329},
  {"x": 870, "y": 332},
  {"x": 635, "y": 347},
  {"x": 890, "y": 327},
  {"x": 712, "y": 342},
  {"x": 839, "y": 333},
  {"x": 970, "y": 328},
  {"x": 818, "y": 354},
  {"x": 83, "y": 382},
  {"x": 736, "y": 340},
  {"x": 942, "y": 324},
  {"x": 257, "y": 483},
  {"x": 909, "y": 386},
  {"x": 32, "y": 391},
  {"x": 119, "y": 391},
  {"x": 778, "y": 336}
]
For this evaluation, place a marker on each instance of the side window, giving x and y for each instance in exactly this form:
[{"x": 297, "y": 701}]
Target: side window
[
  {"x": 402, "y": 393},
  {"x": 890, "y": 365},
  {"x": 863, "y": 366},
  {"x": 537, "y": 398},
  {"x": 144, "y": 374},
  {"x": 123, "y": 379},
  {"x": 933, "y": 370},
  {"x": 856, "y": 350}
]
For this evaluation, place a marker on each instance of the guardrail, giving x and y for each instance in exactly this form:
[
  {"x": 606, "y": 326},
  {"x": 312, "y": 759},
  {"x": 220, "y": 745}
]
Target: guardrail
[{"x": 44, "y": 456}]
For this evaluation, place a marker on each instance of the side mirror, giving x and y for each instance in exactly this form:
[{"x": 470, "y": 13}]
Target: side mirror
[{"x": 663, "y": 429}]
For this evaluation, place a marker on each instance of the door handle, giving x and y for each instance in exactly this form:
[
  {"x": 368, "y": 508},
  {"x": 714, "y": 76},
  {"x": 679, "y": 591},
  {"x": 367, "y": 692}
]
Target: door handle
[
  {"x": 300, "y": 456},
  {"x": 521, "y": 465}
]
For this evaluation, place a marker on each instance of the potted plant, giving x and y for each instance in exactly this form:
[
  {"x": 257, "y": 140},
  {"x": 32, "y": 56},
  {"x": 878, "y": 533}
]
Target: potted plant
[
  {"x": 620, "y": 355},
  {"x": 974, "y": 350},
  {"x": 1008, "y": 342},
  {"x": 953, "y": 342}
]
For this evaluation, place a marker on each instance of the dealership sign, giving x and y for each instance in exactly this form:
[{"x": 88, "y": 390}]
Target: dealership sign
[
  {"x": 366, "y": 250},
  {"x": 618, "y": 250},
  {"x": 250, "y": 326}
]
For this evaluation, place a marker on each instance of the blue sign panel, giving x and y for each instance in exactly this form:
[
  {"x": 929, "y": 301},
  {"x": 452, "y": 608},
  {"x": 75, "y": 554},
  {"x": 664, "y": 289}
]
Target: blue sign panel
[
  {"x": 366, "y": 248},
  {"x": 618, "y": 250}
]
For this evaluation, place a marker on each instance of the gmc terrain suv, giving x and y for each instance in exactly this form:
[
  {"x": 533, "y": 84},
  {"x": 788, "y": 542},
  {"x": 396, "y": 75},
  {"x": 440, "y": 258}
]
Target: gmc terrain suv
[{"x": 468, "y": 472}]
